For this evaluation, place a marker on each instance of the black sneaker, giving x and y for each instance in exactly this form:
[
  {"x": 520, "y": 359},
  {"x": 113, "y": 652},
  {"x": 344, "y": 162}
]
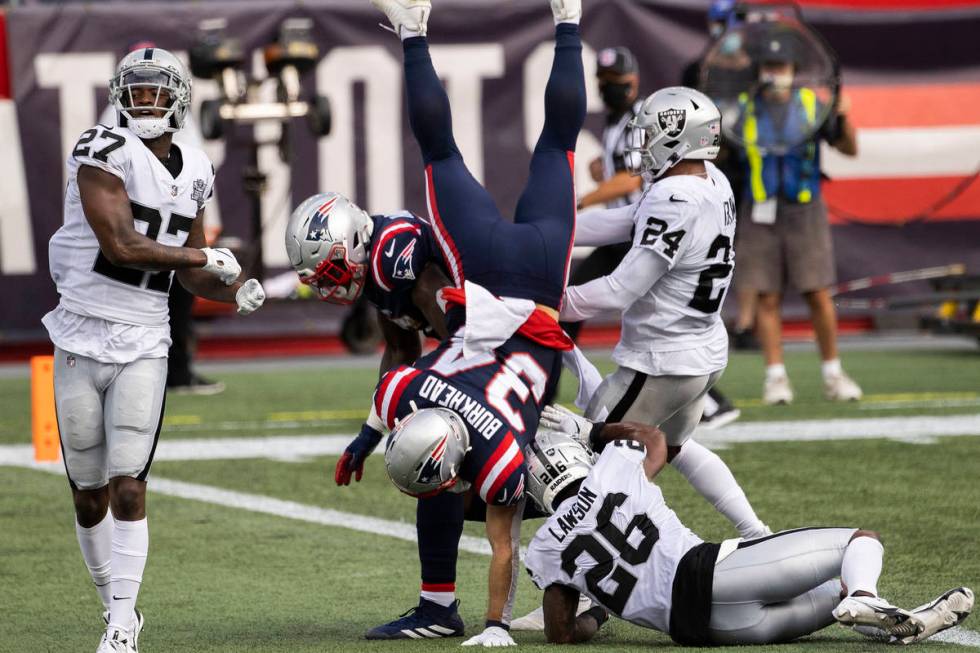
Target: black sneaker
[
  {"x": 427, "y": 620},
  {"x": 726, "y": 414},
  {"x": 745, "y": 340},
  {"x": 198, "y": 386}
]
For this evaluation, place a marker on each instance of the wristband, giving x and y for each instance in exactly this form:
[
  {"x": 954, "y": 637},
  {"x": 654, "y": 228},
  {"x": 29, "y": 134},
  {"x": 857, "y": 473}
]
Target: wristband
[
  {"x": 490, "y": 623},
  {"x": 595, "y": 437},
  {"x": 598, "y": 613}
]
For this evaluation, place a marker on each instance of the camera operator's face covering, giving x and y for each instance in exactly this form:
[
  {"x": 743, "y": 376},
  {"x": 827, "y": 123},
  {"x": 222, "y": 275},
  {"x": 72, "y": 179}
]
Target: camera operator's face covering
[{"x": 776, "y": 77}]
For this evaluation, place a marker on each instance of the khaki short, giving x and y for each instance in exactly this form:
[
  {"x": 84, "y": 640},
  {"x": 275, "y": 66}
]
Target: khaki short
[{"x": 796, "y": 249}]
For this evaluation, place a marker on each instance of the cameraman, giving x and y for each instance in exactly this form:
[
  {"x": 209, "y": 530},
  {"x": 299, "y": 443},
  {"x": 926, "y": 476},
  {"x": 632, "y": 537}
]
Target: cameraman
[{"x": 784, "y": 232}]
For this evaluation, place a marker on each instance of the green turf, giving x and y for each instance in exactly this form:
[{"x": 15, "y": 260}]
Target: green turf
[
  {"x": 223, "y": 579},
  {"x": 332, "y": 399}
]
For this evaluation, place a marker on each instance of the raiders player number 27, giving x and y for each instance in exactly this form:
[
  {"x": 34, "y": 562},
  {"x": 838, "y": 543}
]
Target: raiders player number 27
[{"x": 132, "y": 215}]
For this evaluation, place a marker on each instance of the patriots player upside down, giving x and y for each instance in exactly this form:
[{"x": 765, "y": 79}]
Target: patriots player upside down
[{"x": 489, "y": 378}]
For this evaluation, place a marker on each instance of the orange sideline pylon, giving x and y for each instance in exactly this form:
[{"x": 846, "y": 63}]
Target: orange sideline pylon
[{"x": 44, "y": 420}]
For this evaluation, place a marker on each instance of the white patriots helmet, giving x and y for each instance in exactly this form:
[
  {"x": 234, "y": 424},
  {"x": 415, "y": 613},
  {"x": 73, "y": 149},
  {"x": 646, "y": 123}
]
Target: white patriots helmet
[
  {"x": 554, "y": 461},
  {"x": 672, "y": 124},
  {"x": 328, "y": 241},
  {"x": 425, "y": 451},
  {"x": 160, "y": 71}
]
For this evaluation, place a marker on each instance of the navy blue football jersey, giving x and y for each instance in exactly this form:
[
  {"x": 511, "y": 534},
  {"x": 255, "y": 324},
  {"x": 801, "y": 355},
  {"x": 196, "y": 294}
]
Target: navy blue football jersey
[
  {"x": 401, "y": 246},
  {"x": 498, "y": 395}
]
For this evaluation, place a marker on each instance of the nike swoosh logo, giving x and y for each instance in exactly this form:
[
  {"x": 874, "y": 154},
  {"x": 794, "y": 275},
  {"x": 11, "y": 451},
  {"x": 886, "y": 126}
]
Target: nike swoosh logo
[
  {"x": 391, "y": 249},
  {"x": 120, "y": 598},
  {"x": 674, "y": 199}
]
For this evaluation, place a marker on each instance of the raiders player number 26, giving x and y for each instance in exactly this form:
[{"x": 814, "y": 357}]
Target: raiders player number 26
[{"x": 132, "y": 215}]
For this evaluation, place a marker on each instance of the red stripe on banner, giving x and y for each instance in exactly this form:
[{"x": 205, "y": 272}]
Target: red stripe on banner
[
  {"x": 571, "y": 242},
  {"x": 397, "y": 395},
  {"x": 456, "y": 263},
  {"x": 438, "y": 587},
  {"x": 915, "y": 105},
  {"x": 884, "y": 5},
  {"x": 4, "y": 59},
  {"x": 898, "y": 200},
  {"x": 514, "y": 463}
]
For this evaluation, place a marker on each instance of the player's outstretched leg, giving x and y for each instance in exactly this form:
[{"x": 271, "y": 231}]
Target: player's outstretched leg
[
  {"x": 548, "y": 200},
  {"x": 439, "y": 524}
]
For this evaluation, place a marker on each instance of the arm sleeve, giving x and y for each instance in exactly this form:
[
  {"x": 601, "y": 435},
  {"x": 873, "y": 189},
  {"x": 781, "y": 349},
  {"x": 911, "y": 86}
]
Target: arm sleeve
[
  {"x": 597, "y": 227},
  {"x": 635, "y": 275},
  {"x": 398, "y": 256}
]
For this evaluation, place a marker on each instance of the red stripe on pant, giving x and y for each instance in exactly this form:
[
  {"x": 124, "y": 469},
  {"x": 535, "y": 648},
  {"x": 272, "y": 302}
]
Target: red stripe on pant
[
  {"x": 438, "y": 587},
  {"x": 571, "y": 242},
  {"x": 454, "y": 262}
]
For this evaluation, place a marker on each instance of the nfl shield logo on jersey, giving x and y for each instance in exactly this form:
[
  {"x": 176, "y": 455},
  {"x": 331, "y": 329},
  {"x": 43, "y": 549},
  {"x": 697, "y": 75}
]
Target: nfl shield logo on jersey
[
  {"x": 318, "y": 223},
  {"x": 672, "y": 121}
]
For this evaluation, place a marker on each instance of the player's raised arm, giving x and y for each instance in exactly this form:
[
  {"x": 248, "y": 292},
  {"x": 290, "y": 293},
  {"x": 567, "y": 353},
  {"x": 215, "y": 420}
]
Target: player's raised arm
[
  {"x": 598, "y": 227},
  {"x": 107, "y": 209},
  {"x": 424, "y": 295}
]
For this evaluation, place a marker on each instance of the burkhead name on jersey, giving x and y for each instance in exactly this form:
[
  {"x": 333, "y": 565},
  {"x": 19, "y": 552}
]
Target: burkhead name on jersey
[
  {"x": 164, "y": 208},
  {"x": 689, "y": 220}
]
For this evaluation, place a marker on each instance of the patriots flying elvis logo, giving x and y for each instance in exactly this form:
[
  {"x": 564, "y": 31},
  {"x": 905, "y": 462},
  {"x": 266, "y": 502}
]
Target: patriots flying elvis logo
[
  {"x": 432, "y": 468},
  {"x": 318, "y": 229},
  {"x": 403, "y": 264}
]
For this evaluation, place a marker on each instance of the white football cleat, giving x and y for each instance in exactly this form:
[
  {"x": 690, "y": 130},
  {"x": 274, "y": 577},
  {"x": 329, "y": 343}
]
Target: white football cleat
[
  {"x": 777, "y": 390},
  {"x": 946, "y": 611},
  {"x": 878, "y": 613},
  {"x": 408, "y": 15},
  {"x": 566, "y": 10},
  {"x": 841, "y": 387},
  {"x": 134, "y": 633},
  {"x": 534, "y": 620}
]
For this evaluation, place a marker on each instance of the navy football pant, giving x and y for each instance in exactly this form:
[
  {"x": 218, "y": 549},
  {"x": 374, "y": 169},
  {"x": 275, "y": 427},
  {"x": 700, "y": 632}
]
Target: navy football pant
[{"x": 527, "y": 258}]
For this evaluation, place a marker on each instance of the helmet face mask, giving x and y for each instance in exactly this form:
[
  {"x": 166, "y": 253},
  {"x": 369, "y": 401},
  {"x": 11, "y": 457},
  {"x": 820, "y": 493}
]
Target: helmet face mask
[
  {"x": 554, "y": 462},
  {"x": 150, "y": 73},
  {"x": 328, "y": 240},
  {"x": 425, "y": 452}
]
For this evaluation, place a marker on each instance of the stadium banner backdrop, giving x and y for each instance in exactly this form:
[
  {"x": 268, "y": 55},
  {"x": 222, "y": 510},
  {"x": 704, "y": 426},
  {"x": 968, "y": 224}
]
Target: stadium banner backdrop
[{"x": 907, "y": 201}]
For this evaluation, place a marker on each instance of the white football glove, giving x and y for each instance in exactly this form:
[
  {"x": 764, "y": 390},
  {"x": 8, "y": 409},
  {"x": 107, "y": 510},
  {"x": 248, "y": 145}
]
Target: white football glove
[
  {"x": 560, "y": 419},
  {"x": 492, "y": 636},
  {"x": 250, "y": 297},
  {"x": 222, "y": 264}
]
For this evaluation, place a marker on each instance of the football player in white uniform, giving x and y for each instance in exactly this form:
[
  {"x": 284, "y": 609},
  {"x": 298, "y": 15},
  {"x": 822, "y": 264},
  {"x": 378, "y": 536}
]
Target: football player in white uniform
[
  {"x": 613, "y": 538},
  {"x": 133, "y": 215},
  {"x": 669, "y": 287}
]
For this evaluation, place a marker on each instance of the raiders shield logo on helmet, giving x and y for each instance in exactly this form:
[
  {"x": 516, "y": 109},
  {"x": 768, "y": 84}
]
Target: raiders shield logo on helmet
[{"x": 672, "y": 121}]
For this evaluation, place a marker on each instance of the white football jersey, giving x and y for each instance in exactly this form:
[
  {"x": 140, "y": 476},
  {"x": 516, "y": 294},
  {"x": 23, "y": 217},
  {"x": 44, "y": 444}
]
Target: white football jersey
[
  {"x": 164, "y": 209},
  {"x": 689, "y": 221},
  {"x": 616, "y": 541}
]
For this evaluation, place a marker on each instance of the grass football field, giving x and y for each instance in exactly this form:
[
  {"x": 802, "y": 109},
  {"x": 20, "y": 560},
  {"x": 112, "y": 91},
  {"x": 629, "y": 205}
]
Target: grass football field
[{"x": 253, "y": 548}]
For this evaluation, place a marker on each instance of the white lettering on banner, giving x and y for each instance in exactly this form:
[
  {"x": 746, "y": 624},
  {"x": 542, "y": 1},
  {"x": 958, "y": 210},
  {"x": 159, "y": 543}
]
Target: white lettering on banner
[
  {"x": 464, "y": 67},
  {"x": 76, "y": 76},
  {"x": 382, "y": 77},
  {"x": 537, "y": 69},
  {"x": 16, "y": 239},
  {"x": 277, "y": 200}
]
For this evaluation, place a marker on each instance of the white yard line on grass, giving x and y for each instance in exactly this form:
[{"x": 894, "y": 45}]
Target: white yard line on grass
[
  {"x": 375, "y": 526},
  {"x": 916, "y": 430}
]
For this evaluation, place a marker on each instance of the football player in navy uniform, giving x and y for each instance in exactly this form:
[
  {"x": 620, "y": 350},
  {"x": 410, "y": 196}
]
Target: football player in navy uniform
[{"x": 490, "y": 376}]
